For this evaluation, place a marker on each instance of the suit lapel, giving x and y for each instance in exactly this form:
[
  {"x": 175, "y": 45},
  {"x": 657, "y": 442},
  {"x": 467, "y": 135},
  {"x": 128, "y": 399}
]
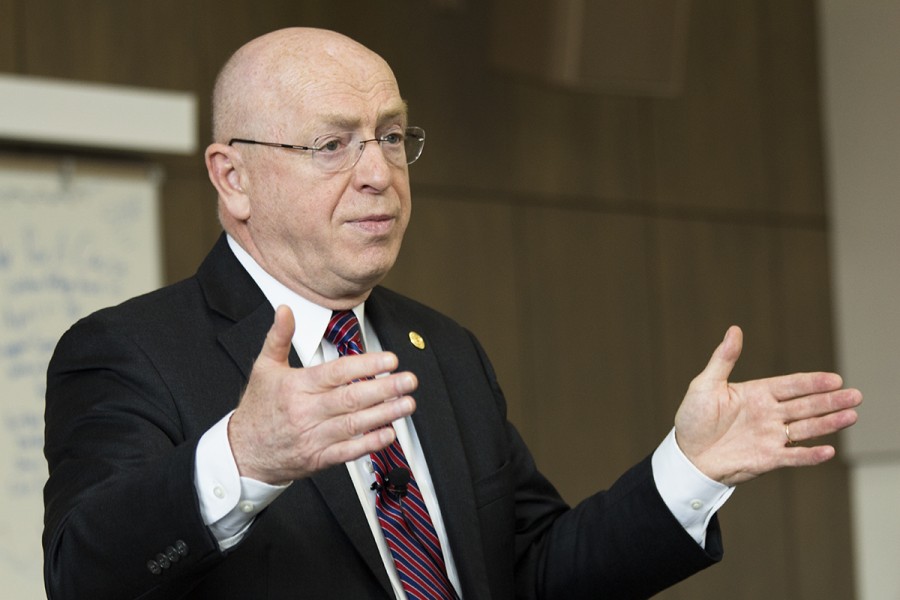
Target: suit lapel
[
  {"x": 438, "y": 433},
  {"x": 337, "y": 490},
  {"x": 231, "y": 292}
]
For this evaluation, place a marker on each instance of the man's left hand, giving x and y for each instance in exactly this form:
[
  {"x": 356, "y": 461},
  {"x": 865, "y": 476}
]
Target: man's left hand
[{"x": 734, "y": 432}]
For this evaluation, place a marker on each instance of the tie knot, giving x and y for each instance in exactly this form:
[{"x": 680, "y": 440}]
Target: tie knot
[{"x": 343, "y": 332}]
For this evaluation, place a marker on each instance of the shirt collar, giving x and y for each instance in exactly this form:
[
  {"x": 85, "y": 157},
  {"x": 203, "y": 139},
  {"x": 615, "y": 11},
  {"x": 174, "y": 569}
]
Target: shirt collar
[{"x": 310, "y": 319}]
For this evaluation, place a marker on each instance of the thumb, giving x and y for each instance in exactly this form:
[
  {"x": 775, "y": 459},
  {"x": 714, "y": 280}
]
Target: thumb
[
  {"x": 277, "y": 346},
  {"x": 724, "y": 357}
]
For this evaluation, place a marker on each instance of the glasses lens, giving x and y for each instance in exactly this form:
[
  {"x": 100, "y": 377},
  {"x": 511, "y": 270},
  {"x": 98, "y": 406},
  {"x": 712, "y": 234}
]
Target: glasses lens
[
  {"x": 393, "y": 146},
  {"x": 413, "y": 143},
  {"x": 333, "y": 153}
]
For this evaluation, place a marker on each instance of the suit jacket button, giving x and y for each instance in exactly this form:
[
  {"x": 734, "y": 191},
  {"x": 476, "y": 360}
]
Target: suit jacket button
[
  {"x": 172, "y": 554},
  {"x": 163, "y": 561},
  {"x": 154, "y": 567},
  {"x": 181, "y": 548}
]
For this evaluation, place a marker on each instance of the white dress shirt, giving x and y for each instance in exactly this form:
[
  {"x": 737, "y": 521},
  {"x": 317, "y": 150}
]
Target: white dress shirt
[{"x": 229, "y": 502}]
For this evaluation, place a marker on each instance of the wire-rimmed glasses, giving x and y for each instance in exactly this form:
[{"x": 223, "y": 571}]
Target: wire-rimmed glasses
[{"x": 341, "y": 151}]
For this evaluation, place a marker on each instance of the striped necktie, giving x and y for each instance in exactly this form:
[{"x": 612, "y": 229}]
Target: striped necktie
[{"x": 402, "y": 513}]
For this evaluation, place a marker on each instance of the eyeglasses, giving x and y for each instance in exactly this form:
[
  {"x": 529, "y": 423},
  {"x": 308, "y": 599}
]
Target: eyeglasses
[{"x": 341, "y": 151}]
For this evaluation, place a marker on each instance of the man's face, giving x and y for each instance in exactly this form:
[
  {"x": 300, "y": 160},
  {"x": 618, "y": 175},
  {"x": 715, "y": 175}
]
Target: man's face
[{"x": 329, "y": 236}]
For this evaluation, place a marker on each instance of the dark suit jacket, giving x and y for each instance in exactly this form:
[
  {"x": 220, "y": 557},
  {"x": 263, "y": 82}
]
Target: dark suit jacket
[{"x": 131, "y": 389}]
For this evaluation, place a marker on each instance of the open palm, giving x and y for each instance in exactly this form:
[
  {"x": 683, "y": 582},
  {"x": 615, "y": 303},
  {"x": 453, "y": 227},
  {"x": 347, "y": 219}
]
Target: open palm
[{"x": 734, "y": 432}]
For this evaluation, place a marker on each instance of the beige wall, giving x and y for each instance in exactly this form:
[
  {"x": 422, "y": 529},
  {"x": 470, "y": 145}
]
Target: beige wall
[
  {"x": 663, "y": 217},
  {"x": 861, "y": 87}
]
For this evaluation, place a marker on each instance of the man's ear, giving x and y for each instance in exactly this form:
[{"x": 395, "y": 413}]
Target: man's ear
[{"x": 223, "y": 165}]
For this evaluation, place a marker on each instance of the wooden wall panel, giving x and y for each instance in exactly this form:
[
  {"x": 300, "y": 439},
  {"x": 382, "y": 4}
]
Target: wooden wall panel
[
  {"x": 803, "y": 299},
  {"x": 634, "y": 48},
  {"x": 606, "y": 46},
  {"x": 133, "y": 43},
  {"x": 8, "y": 38},
  {"x": 576, "y": 148},
  {"x": 818, "y": 505},
  {"x": 190, "y": 225},
  {"x": 579, "y": 149},
  {"x": 532, "y": 36},
  {"x": 789, "y": 95},
  {"x": 709, "y": 144},
  {"x": 713, "y": 275},
  {"x": 586, "y": 308},
  {"x": 189, "y": 218}
]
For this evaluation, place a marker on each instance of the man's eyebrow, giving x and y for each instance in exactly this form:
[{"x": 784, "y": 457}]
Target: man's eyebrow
[
  {"x": 340, "y": 121},
  {"x": 352, "y": 123},
  {"x": 399, "y": 112}
]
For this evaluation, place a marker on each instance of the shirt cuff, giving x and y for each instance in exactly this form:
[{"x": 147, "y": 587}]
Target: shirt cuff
[
  {"x": 692, "y": 497},
  {"x": 228, "y": 502}
]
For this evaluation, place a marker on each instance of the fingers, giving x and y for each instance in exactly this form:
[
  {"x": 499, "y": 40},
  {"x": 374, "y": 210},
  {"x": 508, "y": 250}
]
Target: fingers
[
  {"x": 349, "y": 399},
  {"x": 361, "y": 408},
  {"x": 821, "y": 426},
  {"x": 348, "y": 369},
  {"x": 820, "y": 414},
  {"x": 352, "y": 449},
  {"x": 818, "y": 404},
  {"x": 344, "y": 398},
  {"x": 358, "y": 422},
  {"x": 373, "y": 420},
  {"x": 807, "y": 457},
  {"x": 796, "y": 385}
]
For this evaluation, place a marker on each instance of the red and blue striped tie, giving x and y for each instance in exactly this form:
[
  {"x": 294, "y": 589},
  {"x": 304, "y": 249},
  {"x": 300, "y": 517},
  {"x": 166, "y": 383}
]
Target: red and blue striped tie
[{"x": 404, "y": 518}]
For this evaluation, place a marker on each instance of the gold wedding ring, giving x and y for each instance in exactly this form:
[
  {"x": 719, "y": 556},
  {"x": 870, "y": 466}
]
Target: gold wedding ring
[{"x": 787, "y": 434}]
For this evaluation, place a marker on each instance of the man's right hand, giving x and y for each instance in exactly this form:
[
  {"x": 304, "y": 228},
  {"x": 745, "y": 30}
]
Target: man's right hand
[{"x": 291, "y": 422}]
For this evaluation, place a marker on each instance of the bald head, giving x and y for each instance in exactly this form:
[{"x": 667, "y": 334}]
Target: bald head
[
  {"x": 277, "y": 69},
  {"x": 330, "y": 235}
]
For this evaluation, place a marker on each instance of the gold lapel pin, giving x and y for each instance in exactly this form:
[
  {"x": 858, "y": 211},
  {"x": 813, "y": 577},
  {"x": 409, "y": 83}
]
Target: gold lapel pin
[{"x": 416, "y": 340}]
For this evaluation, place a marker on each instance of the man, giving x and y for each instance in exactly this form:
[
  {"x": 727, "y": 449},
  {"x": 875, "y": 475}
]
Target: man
[{"x": 191, "y": 457}]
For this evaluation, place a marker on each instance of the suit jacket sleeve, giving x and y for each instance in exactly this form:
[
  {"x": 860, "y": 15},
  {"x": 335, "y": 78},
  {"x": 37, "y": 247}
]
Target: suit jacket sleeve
[{"x": 120, "y": 494}]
